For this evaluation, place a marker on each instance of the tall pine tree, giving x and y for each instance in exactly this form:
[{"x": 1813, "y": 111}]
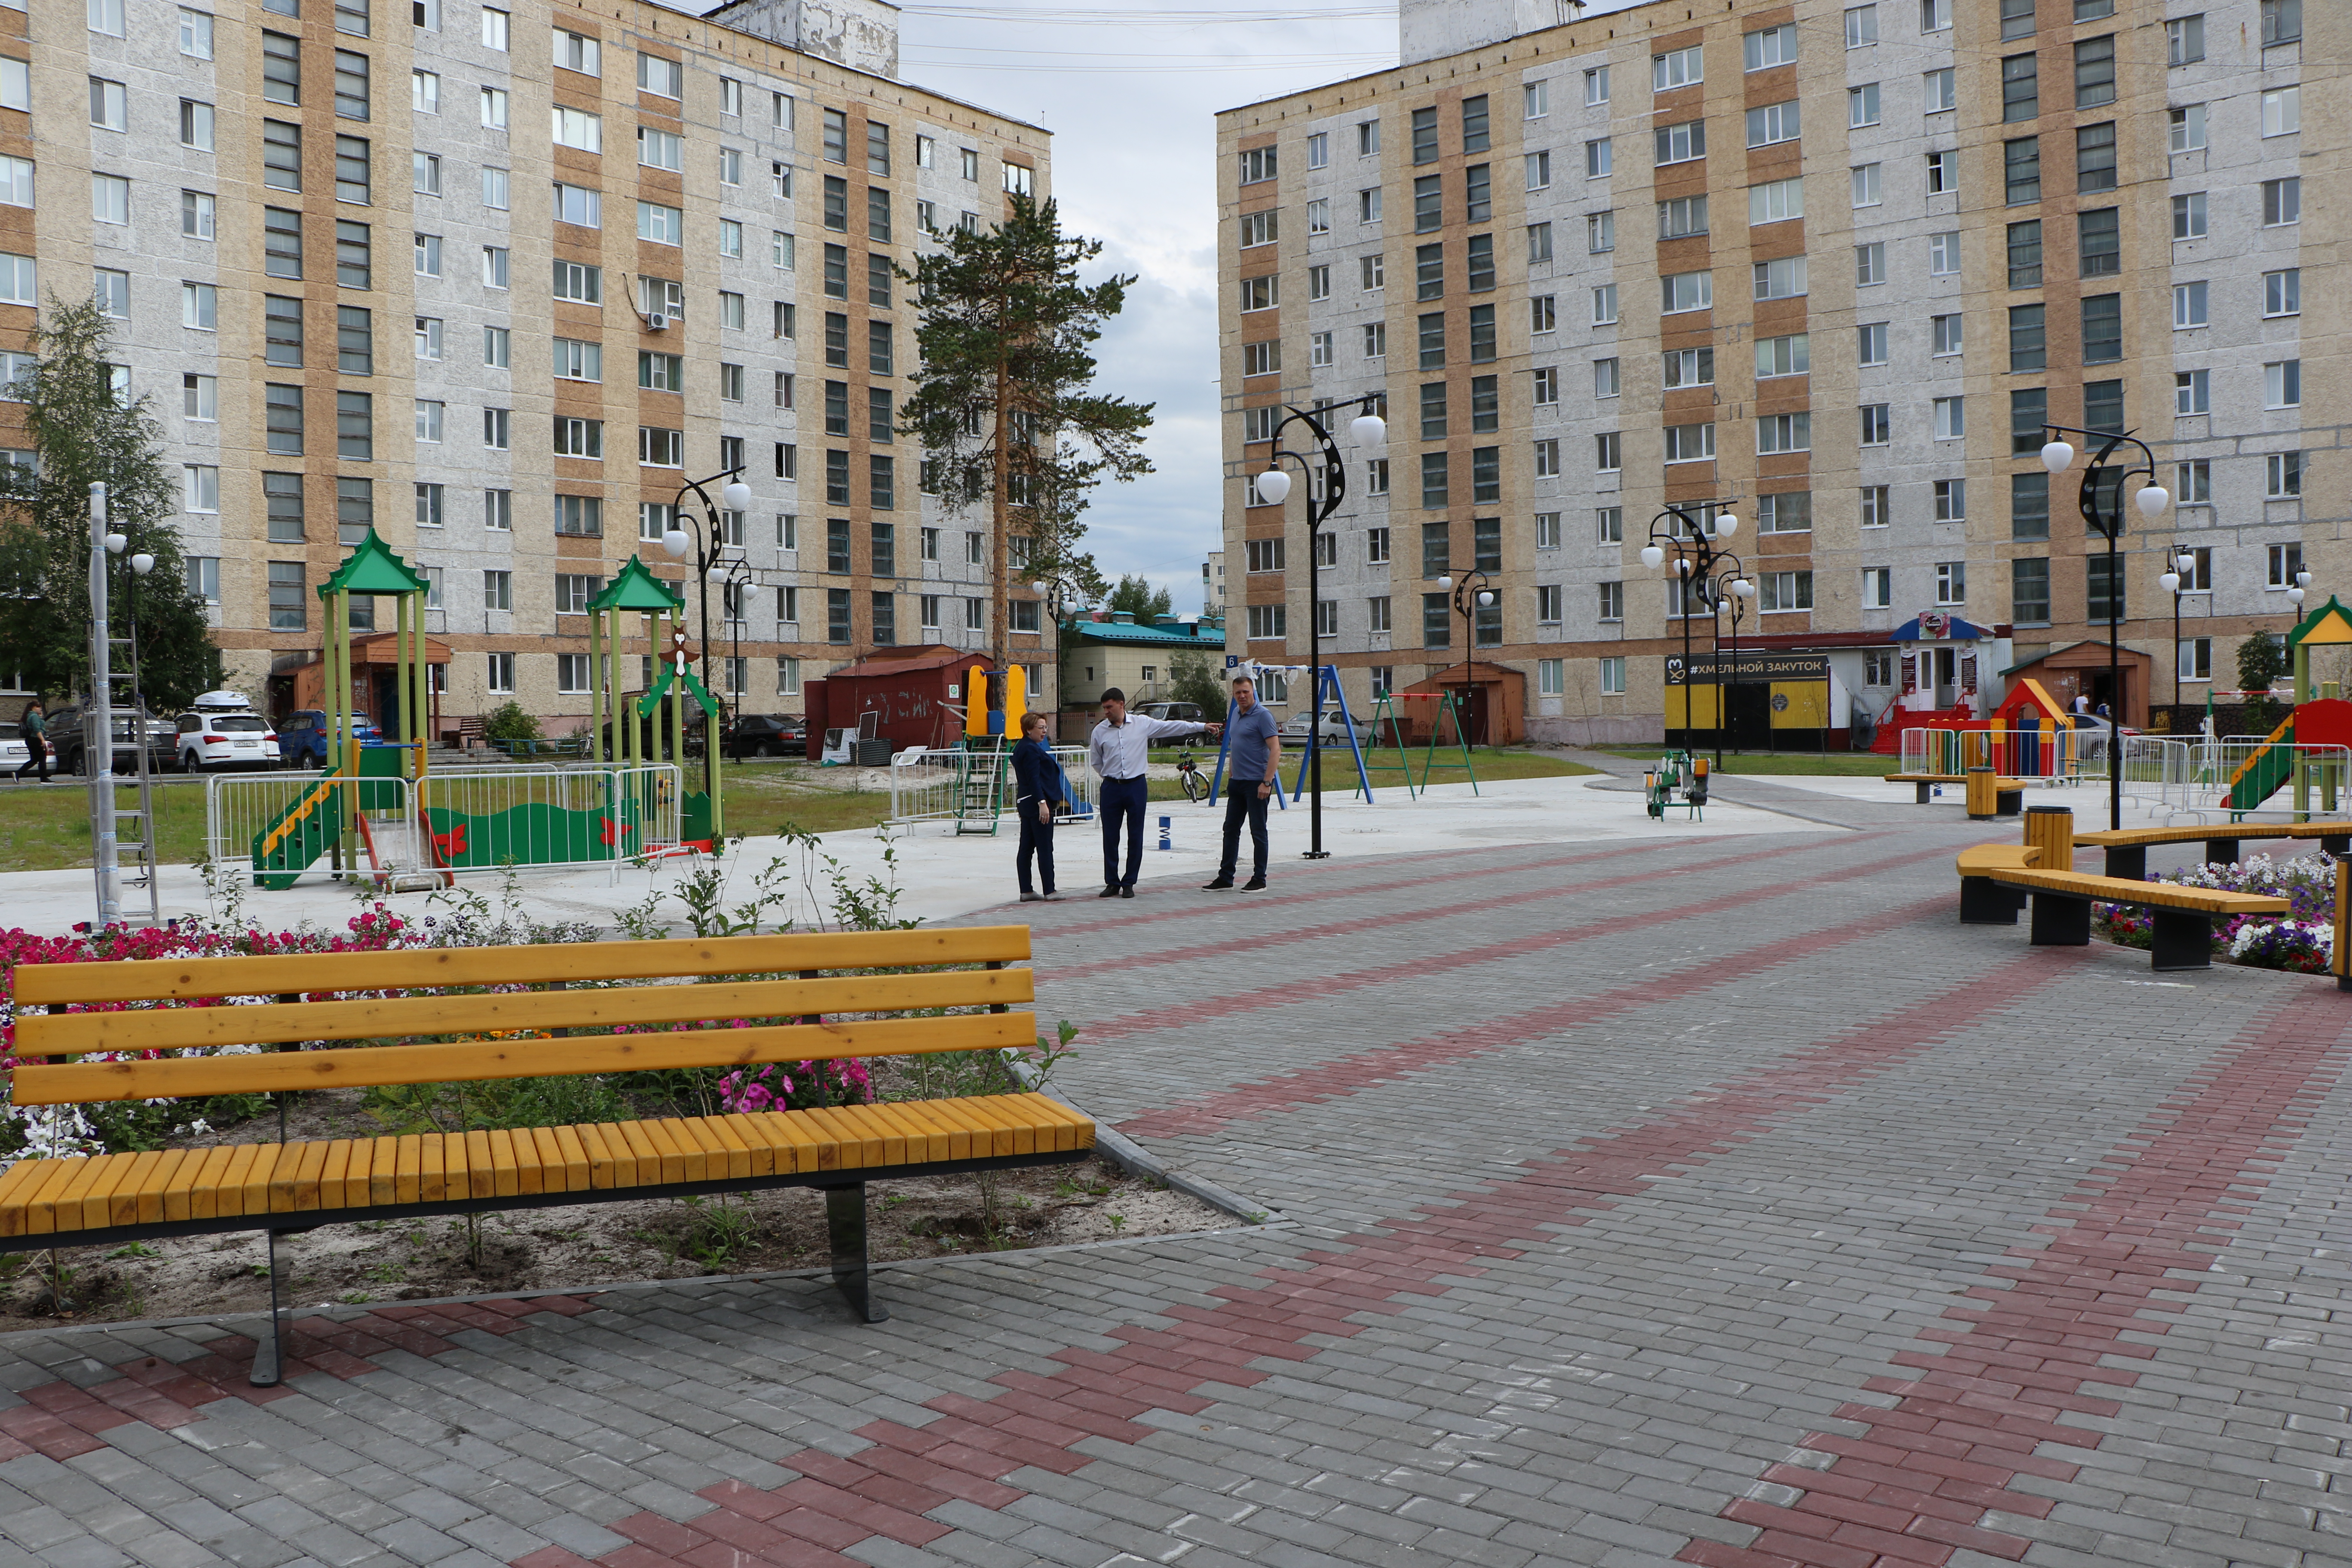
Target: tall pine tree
[
  {"x": 1001, "y": 402},
  {"x": 83, "y": 433}
]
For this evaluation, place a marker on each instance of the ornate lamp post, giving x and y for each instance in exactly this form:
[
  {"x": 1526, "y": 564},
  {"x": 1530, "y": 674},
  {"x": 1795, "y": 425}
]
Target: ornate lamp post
[
  {"x": 736, "y": 592},
  {"x": 1474, "y": 593},
  {"x": 2182, "y": 570},
  {"x": 2152, "y": 500},
  {"x": 1695, "y": 562},
  {"x": 1368, "y": 430},
  {"x": 675, "y": 543},
  {"x": 1734, "y": 598}
]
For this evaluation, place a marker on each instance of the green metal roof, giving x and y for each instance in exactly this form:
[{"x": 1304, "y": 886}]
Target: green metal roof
[
  {"x": 635, "y": 587},
  {"x": 372, "y": 568},
  {"x": 1206, "y": 635}
]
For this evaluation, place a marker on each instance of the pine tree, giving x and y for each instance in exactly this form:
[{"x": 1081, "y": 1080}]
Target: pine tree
[
  {"x": 1138, "y": 598},
  {"x": 84, "y": 433},
  {"x": 1001, "y": 403}
]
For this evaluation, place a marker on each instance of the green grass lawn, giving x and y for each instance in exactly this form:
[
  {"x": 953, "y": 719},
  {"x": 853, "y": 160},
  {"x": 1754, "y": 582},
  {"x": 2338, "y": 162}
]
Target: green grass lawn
[{"x": 1832, "y": 764}]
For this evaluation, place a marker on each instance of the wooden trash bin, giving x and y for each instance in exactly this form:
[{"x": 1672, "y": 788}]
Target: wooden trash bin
[
  {"x": 2051, "y": 829},
  {"x": 1984, "y": 797}
]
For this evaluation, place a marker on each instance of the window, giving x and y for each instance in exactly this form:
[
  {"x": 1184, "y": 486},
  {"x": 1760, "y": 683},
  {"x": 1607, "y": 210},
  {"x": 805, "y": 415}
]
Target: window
[
  {"x": 196, "y": 34},
  {"x": 1267, "y": 622},
  {"x": 1376, "y": 340},
  {"x": 1784, "y": 591},
  {"x": 1600, "y": 232},
  {"x": 2282, "y": 111},
  {"x": 2029, "y": 590},
  {"x": 1372, "y": 270},
  {"x": 579, "y": 437},
  {"x": 1258, "y": 165},
  {"x": 2188, "y": 128},
  {"x": 1862, "y": 105},
  {"x": 1678, "y": 67},
  {"x": 2103, "y": 589},
  {"x": 281, "y": 70},
  {"x": 2184, "y": 40},
  {"x": 1257, "y": 228},
  {"x": 1539, "y": 243},
  {"x": 1774, "y": 201},
  {"x": 1876, "y": 510},
  {"x": 2103, "y": 405},
  {"x": 1319, "y": 218},
  {"x": 352, "y": 267},
  {"x": 579, "y": 205},
  {"x": 1866, "y": 181},
  {"x": 2285, "y": 563},
  {"x": 287, "y": 609},
  {"x": 1685, "y": 292},
  {"x": 1548, "y": 453},
  {"x": 2026, "y": 255},
  {"x": 495, "y": 186},
  {"x": 2282, "y": 292},
  {"x": 1773, "y": 123},
  {"x": 1689, "y": 367},
  {"x": 1877, "y": 594},
  {"x": 1876, "y": 425},
  {"x": 2094, "y": 157},
  {"x": 2189, "y": 393},
  {"x": 1681, "y": 143},
  {"x": 1951, "y": 582},
  {"x": 424, "y": 173},
  {"x": 1951, "y": 418},
  {"x": 201, "y": 487},
  {"x": 1781, "y": 279},
  {"x": 1944, "y": 254},
  {"x": 2021, "y": 89},
  {"x": 1368, "y": 138},
  {"x": 1432, "y": 342},
  {"x": 15, "y": 83},
  {"x": 199, "y": 397},
  {"x": 428, "y": 255},
  {"x": 1942, "y": 93},
  {"x": 425, "y": 93},
  {"x": 2099, "y": 242},
  {"x": 1597, "y": 159},
  {"x": 109, "y": 199},
  {"x": 2281, "y": 202},
  {"x": 2103, "y": 328},
  {"x": 2192, "y": 485},
  {"x": 2283, "y": 384},
  {"x": 354, "y": 176},
  {"x": 1434, "y": 478},
  {"x": 2189, "y": 305},
  {"x": 2282, "y": 21},
  {"x": 1428, "y": 204},
  {"x": 582, "y": 516},
  {"x": 660, "y": 448},
  {"x": 1785, "y": 511},
  {"x": 1685, "y": 444},
  {"x": 660, "y": 224},
  {"x": 2095, "y": 71},
  {"x": 1784, "y": 433},
  {"x": 2189, "y": 216},
  {"x": 2028, "y": 338},
  {"x": 664, "y": 78},
  {"x": 1789, "y": 355},
  {"x": 1368, "y": 206},
  {"x": 199, "y": 306},
  {"x": 1605, "y": 308},
  {"x": 1870, "y": 264},
  {"x": 1952, "y": 500},
  {"x": 429, "y": 413},
  {"x": 1943, "y": 174},
  {"x": 352, "y": 86},
  {"x": 1683, "y": 216},
  {"x": 1611, "y": 521},
  {"x": 196, "y": 209}
]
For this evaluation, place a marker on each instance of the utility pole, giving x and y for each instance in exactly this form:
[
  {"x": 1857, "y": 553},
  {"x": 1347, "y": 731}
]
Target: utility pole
[{"x": 98, "y": 723}]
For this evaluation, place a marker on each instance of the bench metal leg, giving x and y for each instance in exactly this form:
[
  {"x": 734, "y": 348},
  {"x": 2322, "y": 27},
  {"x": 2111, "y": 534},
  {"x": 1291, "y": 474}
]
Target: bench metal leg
[
  {"x": 2184, "y": 939},
  {"x": 2008, "y": 803},
  {"x": 1921, "y": 797},
  {"x": 2061, "y": 921},
  {"x": 2340, "y": 844},
  {"x": 1984, "y": 902},
  {"x": 268, "y": 1355},
  {"x": 2128, "y": 861},
  {"x": 2221, "y": 851},
  {"x": 845, "y": 1220}
]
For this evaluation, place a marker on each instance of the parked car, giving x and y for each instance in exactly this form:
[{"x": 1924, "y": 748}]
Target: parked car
[
  {"x": 766, "y": 735},
  {"x": 1334, "y": 728},
  {"x": 68, "y": 748},
  {"x": 1182, "y": 712},
  {"x": 211, "y": 739}
]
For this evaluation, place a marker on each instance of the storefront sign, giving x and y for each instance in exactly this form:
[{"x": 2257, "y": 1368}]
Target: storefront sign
[{"x": 1750, "y": 668}]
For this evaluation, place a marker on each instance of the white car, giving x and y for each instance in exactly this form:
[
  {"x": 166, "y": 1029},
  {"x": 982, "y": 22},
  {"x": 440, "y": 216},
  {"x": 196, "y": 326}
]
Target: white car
[
  {"x": 211, "y": 741},
  {"x": 1335, "y": 729}
]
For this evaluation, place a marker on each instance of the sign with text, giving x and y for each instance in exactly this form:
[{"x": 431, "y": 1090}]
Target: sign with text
[{"x": 1745, "y": 669}]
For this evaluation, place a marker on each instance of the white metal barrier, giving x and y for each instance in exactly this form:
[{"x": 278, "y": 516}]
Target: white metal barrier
[
  {"x": 274, "y": 827},
  {"x": 2025, "y": 752},
  {"x": 927, "y": 785}
]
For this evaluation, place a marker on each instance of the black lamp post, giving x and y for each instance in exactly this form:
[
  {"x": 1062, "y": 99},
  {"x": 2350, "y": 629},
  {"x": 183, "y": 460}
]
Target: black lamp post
[
  {"x": 2174, "y": 581},
  {"x": 1473, "y": 592},
  {"x": 737, "y": 590},
  {"x": 1734, "y": 598},
  {"x": 1368, "y": 430},
  {"x": 1695, "y": 560},
  {"x": 2107, "y": 520},
  {"x": 674, "y": 544}
]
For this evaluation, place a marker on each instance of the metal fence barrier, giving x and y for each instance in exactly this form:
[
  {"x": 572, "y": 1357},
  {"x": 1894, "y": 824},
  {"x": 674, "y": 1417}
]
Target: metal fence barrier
[{"x": 927, "y": 785}]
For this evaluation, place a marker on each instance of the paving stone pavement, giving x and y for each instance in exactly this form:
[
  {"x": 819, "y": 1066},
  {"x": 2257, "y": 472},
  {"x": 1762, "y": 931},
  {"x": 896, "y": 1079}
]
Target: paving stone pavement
[{"x": 1716, "y": 1202}]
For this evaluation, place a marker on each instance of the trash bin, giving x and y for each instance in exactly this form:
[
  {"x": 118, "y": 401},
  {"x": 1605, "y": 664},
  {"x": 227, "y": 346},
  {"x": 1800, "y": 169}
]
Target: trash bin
[{"x": 1984, "y": 802}]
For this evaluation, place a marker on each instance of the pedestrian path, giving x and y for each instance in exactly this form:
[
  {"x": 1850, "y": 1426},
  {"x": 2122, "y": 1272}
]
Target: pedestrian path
[{"x": 1630, "y": 1201}]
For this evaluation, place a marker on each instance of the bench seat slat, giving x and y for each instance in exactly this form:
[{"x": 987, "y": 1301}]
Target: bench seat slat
[
  {"x": 2112, "y": 890},
  {"x": 398, "y": 1018},
  {"x": 62, "y": 1196},
  {"x": 175, "y": 979},
  {"x": 93, "y": 1082}
]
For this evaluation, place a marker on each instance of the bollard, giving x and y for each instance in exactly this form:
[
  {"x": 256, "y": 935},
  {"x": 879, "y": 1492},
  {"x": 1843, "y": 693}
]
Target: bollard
[
  {"x": 1167, "y": 831},
  {"x": 2340, "y": 961},
  {"x": 2051, "y": 829}
]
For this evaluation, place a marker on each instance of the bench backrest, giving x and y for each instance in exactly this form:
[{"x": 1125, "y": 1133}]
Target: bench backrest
[{"x": 776, "y": 988}]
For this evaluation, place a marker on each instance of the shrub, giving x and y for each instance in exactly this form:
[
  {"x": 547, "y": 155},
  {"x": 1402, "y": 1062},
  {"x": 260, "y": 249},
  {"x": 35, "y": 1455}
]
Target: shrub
[
  {"x": 509, "y": 721},
  {"x": 2302, "y": 941}
]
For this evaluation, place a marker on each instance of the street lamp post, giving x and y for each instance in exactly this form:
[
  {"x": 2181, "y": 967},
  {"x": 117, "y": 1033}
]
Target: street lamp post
[
  {"x": 1368, "y": 429},
  {"x": 1737, "y": 592},
  {"x": 675, "y": 543},
  {"x": 736, "y": 592},
  {"x": 1475, "y": 591},
  {"x": 2182, "y": 571},
  {"x": 1697, "y": 559},
  {"x": 2152, "y": 500}
]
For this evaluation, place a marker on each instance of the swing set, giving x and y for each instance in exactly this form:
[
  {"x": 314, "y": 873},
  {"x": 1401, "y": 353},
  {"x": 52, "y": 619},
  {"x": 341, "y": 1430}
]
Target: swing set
[{"x": 1385, "y": 712}]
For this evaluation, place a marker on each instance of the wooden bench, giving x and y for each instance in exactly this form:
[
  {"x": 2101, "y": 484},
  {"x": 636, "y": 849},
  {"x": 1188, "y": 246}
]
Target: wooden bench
[
  {"x": 1927, "y": 782},
  {"x": 330, "y": 1027},
  {"x": 2126, "y": 847},
  {"x": 1996, "y": 879}
]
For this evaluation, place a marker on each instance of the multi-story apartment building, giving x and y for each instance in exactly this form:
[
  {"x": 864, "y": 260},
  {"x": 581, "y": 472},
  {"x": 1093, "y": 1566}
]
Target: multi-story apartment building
[
  {"x": 598, "y": 251},
  {"x": 1831, "y": 265}
]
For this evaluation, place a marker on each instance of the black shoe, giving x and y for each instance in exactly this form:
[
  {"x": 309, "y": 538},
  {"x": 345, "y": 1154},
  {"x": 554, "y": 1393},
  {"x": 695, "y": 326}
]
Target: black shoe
[
  {"x": 1219, "y": 883},
  {"x": 1127, "y": 893},
  {"x": 1253, "y": 884},
  {"x": 1110, "y": 890}
]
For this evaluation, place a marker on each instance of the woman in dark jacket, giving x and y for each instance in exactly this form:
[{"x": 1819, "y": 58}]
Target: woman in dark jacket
[{"x": 1039, "y": 790}]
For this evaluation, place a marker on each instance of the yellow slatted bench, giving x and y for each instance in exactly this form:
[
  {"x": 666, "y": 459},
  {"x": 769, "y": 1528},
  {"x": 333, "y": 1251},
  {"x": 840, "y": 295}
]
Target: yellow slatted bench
[
  {"x": 318, "y": 1034},
  {"x": 2127, "y": 847},
  {"x": 1927, "y": 782},
  {"x": 1995, "y": 878}
]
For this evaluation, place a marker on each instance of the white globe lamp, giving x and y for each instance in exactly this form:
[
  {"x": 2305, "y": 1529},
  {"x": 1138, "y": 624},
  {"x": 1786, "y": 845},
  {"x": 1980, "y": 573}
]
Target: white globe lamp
[
  {"x": 674, "y": 543},
  {"x": 1272, "y": 487},
  {"x": 2057, "y": 457}
]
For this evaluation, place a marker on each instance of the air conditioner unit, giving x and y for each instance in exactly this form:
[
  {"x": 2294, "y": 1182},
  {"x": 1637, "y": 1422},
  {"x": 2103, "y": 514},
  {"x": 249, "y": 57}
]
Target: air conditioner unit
[{"x": 657, "y": 322}]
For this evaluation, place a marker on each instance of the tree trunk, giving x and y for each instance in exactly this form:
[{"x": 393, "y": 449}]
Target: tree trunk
[{"x": 1000, "y": 508}]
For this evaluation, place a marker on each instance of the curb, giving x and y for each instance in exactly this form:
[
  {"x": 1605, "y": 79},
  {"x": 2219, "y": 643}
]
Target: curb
[{"x": 1131, "y": 1157}]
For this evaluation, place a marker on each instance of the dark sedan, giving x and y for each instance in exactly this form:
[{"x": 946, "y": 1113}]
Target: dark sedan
[{"x": 767, "y": 735}]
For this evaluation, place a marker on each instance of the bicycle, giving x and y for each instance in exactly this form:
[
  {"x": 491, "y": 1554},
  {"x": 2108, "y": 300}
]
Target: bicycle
[{"x": 1188, "y": 773}]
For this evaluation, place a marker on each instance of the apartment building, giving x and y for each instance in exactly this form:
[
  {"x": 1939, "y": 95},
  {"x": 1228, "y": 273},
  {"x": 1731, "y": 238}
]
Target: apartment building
[
  {"x": 503, "y": 320},
  {"x": 1829, "y": 265}
]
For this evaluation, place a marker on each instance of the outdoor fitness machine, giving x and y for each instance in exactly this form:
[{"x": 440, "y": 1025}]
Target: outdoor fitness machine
[{"x": 1678, "y": 772}]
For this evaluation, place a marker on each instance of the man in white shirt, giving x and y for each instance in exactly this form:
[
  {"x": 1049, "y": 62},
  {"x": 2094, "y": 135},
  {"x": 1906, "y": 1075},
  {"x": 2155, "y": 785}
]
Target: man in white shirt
[{"x": 1119, "y": 751}]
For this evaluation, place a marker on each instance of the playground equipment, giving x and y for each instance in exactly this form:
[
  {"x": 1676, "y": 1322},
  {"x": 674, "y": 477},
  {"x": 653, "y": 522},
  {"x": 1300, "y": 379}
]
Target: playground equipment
[
  {"x": 617, "y": 728},
  {"x": 1678, "y": 772},
  {"x": 932, "y": 783},
  {"x": 1439, "y": 710}
]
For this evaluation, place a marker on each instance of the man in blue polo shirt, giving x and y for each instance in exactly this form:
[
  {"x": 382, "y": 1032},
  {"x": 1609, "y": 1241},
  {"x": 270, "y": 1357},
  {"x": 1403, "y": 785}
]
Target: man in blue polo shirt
[
  {"x": 1254, "y": 752},
  {"x": 1119, "y": 751}
]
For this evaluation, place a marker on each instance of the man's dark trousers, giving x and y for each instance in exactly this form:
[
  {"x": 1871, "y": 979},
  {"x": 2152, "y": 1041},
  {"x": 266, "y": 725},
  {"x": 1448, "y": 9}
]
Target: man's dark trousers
[
  {"x": 1242, "y": 800},
  {"x": 1122, "y": 800}
]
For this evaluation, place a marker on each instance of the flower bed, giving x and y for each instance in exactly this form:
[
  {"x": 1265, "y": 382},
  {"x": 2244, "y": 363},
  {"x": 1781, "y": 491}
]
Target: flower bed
[{"x": 2300, "y": 941}]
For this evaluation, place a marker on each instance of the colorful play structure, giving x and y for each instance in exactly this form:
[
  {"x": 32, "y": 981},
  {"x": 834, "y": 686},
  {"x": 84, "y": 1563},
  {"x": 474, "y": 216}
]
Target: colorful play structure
[
  {"x": 375, "y": 812},
  {"x": 1680, "y": 773}
]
